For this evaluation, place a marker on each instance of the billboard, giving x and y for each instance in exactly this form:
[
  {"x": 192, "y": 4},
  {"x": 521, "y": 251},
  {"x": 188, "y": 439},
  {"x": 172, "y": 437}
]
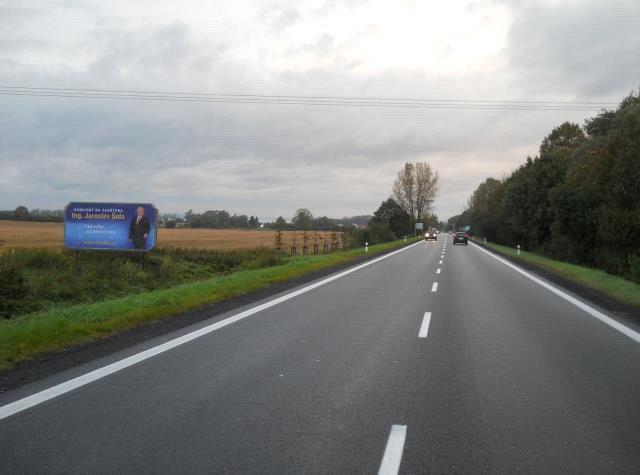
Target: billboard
[{"x": 113, "y": 226}]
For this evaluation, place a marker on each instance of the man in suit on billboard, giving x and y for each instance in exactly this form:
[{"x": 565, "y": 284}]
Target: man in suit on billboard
[{"x": 139, "y": 229}]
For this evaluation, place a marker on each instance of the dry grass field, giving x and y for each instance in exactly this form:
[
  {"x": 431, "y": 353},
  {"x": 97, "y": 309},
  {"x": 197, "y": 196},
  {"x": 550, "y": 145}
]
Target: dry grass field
[
  {"x": 16, "y": 234},
  {"x": 26, "y": 234}
]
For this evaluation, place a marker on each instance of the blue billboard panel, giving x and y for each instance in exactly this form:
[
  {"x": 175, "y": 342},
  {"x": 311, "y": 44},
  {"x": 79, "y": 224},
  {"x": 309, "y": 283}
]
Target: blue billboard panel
[{"x": 115, "y": 226}]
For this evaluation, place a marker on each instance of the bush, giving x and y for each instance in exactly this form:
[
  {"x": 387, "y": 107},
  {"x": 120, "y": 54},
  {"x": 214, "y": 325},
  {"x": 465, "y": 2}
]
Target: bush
[
  {"x": 13, "y": 287},
  {"x": 379, "y": 233},
  {"x": 633, "y": 263}
]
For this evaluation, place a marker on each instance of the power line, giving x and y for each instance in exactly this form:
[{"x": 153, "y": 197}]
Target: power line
[
  {"x": 116, "y": 91},
  {"x": 310, "y": 103},
  {"x": 313, "y": 103},
  {"x": 302, "y": 100}
]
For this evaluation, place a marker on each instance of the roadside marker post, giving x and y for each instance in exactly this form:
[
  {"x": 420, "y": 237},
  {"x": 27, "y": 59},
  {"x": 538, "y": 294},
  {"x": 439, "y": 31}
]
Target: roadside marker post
[
  {"x": 518, "y": 249},
  {"x": 366, "y": 246}
]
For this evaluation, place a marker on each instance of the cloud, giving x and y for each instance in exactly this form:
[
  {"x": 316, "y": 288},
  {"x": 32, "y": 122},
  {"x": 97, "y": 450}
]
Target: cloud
[
  {"x": 280, "y": 16},
  {"x": 583, "y": 49},
  {"x": 272, "y": 159}
]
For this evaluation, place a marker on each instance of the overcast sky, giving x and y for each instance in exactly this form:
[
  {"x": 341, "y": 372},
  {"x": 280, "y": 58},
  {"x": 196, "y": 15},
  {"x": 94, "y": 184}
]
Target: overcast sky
[{"x": 269, "y": 160}]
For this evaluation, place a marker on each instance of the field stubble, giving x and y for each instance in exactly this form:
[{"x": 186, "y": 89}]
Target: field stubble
[{"x": 24, "y": 234}]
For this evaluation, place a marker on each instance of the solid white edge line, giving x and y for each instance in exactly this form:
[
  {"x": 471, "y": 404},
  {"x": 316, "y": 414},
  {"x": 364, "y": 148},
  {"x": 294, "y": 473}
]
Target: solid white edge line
[
  {"x": 393, "y": 451},
  {"x": 424, "y": 328},
  {"x": 634, "y": 335},
  {"x": 434, "y": 287},
  {"x": 75, "y": 383}
]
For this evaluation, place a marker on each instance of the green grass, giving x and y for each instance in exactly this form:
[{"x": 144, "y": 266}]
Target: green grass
[
  {"x": 615, "y": 287},
  {"x": 35, "y": 280},
  {"x": 29, "y": 336}
]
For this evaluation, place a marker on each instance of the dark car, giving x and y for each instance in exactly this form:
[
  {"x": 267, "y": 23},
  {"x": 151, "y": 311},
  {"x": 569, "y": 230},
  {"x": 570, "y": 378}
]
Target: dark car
[{"x": 460, "y": 237}]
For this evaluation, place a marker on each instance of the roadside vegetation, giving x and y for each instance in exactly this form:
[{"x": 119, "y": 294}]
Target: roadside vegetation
[
  {"x": 33, "y": 280},
  {"x": 113, "y": 292},
  {"x": 51, "y": 299},
  {"x": 612, "y": 286},
  {"x": 577, "y": 201}
]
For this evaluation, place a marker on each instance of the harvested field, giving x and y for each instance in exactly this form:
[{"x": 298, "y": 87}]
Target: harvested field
[
  {"x": 230, "y": 238},
  {"x": 16, "y": 234}
]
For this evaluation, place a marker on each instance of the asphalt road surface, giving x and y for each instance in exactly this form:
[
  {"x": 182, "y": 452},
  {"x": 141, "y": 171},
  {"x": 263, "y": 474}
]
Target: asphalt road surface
[{"x": 436, "y": 359}]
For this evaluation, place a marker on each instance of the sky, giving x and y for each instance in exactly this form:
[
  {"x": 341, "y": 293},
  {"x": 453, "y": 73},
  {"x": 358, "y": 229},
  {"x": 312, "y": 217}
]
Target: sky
[{"x": 271, "y": 159}]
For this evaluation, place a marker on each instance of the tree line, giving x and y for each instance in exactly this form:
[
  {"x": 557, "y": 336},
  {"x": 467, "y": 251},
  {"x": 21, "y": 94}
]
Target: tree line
[
  {"x": 218, "y": 219},
  {"x": 303, "y": 220},
  {"x": 578, "y": 200},
  {"x": 22, "y": 213},
  {"x": 413, "y": 193}
]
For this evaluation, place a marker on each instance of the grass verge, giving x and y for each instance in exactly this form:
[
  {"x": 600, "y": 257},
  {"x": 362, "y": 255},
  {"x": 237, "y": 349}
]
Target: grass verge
[
  {"x": 612, "y": 286},
  {"x": 36, "y": 334}
]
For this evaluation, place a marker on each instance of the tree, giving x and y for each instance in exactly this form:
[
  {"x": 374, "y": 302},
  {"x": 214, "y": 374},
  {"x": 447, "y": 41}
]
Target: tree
[
  {"x": 303, "y": 219},
  {"x": 578, "y": 200},
  {"x": 323, "y": 224},
  {"x": 605, "y": 173},
  {"x": 281, "y": 223},
  {"x": 564, "y": 137},
  {"x": 486, "y": 209},
  {"x": 392, "y": 214},
  {"x": 21, "y": 213},
  {"x": 239, "y": 221},
  {"x": 430, "y": 221},
  {"x": 415, "y": 189},
  {"x": 189, "y": 217}
]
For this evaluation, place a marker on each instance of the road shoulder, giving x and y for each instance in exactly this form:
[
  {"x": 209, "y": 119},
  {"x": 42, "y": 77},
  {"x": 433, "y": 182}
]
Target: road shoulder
[{"x": 625, "y": 313}]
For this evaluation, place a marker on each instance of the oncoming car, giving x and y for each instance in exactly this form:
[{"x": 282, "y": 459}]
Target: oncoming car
[
  {"x": 461, "y": 237},
  {"x": 431, "y": 235}
]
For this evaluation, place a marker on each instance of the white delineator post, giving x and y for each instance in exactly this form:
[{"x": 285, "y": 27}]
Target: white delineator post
[
  {"x": 366, "y": 246},
  {"x": 518, "y": 249}
]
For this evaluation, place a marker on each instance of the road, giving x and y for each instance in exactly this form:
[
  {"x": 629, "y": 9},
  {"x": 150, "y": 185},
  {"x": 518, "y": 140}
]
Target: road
[{"x": 379, "y": 369}]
